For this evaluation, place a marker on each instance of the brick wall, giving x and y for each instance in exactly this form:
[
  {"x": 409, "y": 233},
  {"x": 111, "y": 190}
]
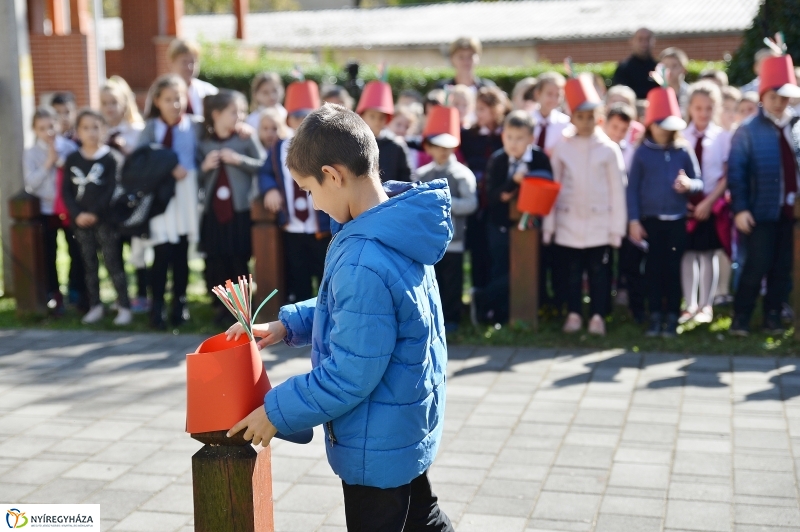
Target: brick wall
[
  {"x": 711, "y": 48},
  {"x": 65, "y": 63}
]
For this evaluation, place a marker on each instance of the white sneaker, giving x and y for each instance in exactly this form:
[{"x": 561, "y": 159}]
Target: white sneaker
[
  {"x": 597, "y": 325},
  {"x": 124, "y": 317},
  {"x": 573, "y": 324},
  {"x": 706, "y": 315},
  {"x": 94, "y": 315}
]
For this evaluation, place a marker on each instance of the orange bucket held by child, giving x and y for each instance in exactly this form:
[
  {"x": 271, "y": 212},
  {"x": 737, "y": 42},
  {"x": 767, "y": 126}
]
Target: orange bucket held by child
[
  {"x": 537, "y": 195},
  {"x": 225, "y": 381}
]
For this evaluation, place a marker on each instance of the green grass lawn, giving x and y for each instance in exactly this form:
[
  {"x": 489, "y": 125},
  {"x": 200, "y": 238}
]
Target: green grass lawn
[{"x": 623, "y": 333}]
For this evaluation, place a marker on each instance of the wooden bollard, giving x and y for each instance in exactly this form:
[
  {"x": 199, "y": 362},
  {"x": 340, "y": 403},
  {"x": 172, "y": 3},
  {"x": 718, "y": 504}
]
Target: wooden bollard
[
  {"x": 268, "y": 253},
  {"x": 27, "y": 255},
  {"x": 524, "y": 273},
  {"x": 232, "y": 485}
]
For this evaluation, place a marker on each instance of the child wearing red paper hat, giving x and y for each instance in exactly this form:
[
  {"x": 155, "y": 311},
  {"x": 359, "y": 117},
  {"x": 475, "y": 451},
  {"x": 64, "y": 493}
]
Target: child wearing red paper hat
[
  {"x": 441, "y": 137},
  {"x": 763, "y": 180},
  {"x": 663, "y": 173},
  {"x": 504, "y": 173},
  {"x": 589, "y": 217},
  {"x": 376, "y": 107},
  {"x": 306, "y": 230}
]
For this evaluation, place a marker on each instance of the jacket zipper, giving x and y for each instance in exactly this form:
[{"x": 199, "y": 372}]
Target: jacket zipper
[{"x": 331, "y": 435}]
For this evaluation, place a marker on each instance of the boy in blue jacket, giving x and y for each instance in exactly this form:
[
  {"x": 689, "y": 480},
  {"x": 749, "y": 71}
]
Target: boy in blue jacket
[{"x": 376, "y": 330}]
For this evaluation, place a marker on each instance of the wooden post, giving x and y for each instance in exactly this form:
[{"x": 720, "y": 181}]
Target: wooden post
[
  {"x": 524, "y": 273},
  {"x": 795, "y": 297},
  {"x": 27, "y": 255},
  {"x": 268, "y": 253},
  {"x": 232, "y": 485},
  {"x": 240, "y": 9},
  {"x": 58, "y": 17}
]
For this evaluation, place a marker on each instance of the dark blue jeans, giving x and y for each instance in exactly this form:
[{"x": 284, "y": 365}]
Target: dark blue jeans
[
  {"x": 768, "y": 251},
  {"x": 492, "y": 300}
]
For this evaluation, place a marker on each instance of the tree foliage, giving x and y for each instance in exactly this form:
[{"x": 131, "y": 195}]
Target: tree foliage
[{"x": 772, "y": 16}]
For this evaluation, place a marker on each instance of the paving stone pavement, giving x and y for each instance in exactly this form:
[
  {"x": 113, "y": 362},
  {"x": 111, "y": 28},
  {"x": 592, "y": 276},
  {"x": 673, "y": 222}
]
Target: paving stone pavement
[{"x": 535, "y": 440}]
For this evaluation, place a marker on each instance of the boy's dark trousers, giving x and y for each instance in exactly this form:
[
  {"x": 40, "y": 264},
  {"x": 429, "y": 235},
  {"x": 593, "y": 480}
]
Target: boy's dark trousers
[
  {"x": 493, "y": 298},
  {"x": 769, "y": 250},
  {"x": 597, "y": 263},
  {"x": 165, "y": 257},
  {"x": 662, "y": 272},
  {"x": 631, "y": 277},
  {"x": 450, "y": 277},
  {"x": 305, "y": 258},
  {"x": 409, "y": 508},
  {"x": 51, "y": 223}
]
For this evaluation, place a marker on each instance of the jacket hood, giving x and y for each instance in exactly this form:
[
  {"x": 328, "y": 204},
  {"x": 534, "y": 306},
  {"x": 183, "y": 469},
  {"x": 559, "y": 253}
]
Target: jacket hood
[{"x": 415, "y": 220}]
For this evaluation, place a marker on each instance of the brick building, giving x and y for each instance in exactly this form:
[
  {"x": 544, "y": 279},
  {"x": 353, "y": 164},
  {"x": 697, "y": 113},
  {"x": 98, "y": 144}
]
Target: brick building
[{"x": 513, "y": 32}]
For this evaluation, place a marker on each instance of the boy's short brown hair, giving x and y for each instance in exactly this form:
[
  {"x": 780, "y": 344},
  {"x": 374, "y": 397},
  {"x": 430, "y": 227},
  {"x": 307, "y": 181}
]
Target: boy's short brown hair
[
  {"x": 677, "y": 53},
  {"x": 549, "y": 77},
  {"x": 466, "y": 43},
  {"x": 731, "y": 94},
  {"x": 333, "y": 135},
  {"x": 89, "y": 113},
  {"x": 623, "y": 111},
  {"x": 519, "y": 119},
  {"x": 182, "y": 47}
]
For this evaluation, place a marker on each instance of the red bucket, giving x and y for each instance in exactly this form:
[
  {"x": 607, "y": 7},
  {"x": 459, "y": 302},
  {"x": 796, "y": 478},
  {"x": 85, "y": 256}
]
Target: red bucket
[
  {"x": 225, "y": 381},
  {"x": 537, "y": 196}
]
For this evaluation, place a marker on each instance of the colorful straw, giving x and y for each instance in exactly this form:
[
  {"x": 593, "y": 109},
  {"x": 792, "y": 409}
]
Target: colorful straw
[{"x": 238, "y": 299}]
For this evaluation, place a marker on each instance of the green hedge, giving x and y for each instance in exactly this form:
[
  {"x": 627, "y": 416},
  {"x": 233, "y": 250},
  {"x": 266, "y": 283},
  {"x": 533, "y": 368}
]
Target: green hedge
[{"x": 224, "y": 66}]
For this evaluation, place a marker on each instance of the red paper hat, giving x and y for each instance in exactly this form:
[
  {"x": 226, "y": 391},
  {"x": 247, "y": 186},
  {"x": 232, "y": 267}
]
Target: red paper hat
[
  {"x": 443, "y": 127},
  {"x": 663, "y": 109},
  {"x": 377, "y": 95},
  {"x": 302, "y": 96},
  {"x": 581, "y": 94},
  {"x": 777, "y": 73},
  {"x": 225, "y": 381}
]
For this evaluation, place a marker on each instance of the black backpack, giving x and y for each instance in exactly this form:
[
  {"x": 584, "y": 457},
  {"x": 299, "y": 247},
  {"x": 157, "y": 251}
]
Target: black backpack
[{"x": 145, "y": 189}]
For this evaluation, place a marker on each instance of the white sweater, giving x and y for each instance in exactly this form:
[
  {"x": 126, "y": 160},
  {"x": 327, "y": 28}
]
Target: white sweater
[{"x": 590, "y": 210}]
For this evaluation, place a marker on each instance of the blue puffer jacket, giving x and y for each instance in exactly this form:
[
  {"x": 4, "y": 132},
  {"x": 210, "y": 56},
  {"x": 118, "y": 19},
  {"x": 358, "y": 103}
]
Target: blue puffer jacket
[
  {"x": 378, "y": 346},
  {"x": 754, "y": 168}
]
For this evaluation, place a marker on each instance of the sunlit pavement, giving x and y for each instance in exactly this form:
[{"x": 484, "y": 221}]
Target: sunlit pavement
[{"x": 536, "y": 440}]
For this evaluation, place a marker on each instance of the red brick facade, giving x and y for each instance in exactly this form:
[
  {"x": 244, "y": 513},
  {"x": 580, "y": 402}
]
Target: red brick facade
[
  {"x": 65, "y": 62},
  {"x": 711, "y": 48}
]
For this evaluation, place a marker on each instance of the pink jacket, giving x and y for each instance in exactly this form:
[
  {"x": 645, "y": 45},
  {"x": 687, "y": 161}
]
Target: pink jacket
[{"x": 590, "y": 210}]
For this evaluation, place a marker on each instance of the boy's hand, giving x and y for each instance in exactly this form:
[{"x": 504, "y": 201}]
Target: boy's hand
[
  {"x": 745, "y": 222},
  {"x": 505, "y": 197},
  {"x": 259, "y": 429},
  {"x": 179, "y": 173},
  {"x": 85, "y": 219},
  {"x": 211, "y": 161},
  {"x": 636, "y": 232},
  {"x": 682, "y": 183},
  {"x": 228, "y": 156},
  {"x": 270, "y": 333},
  {"x": 273, "y": 201},
  {"x": 518, "y": 177}
]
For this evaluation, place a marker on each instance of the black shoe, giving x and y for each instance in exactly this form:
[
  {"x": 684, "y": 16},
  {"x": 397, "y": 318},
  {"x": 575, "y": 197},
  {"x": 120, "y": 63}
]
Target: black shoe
[
  {"x": 773, "y": 323},
  {"x": 180, "y": 312},
  {"x": 654, "y": 329},
  {"x": 671, "y": 326},
  {"x": 740, "y": 327},
  {"x": 157, "y": 321}
]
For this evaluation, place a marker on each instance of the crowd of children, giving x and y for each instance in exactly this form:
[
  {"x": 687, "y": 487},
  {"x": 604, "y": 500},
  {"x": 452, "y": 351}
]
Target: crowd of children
[{"x": 676, "y": 209}]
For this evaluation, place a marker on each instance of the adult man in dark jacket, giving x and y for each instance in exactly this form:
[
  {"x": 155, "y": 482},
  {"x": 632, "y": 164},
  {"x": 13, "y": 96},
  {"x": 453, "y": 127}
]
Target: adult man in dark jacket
[{"x": 634, "y": 71}]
